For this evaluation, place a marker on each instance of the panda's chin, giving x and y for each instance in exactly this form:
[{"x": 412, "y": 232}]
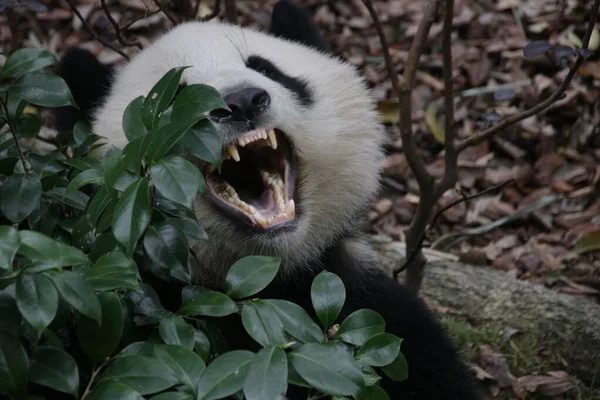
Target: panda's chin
[{"x": 256, "y": 183}]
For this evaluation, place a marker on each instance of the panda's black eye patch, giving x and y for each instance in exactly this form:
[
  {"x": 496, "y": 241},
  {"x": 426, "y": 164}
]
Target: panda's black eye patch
[{"x": 296, "y": 85}]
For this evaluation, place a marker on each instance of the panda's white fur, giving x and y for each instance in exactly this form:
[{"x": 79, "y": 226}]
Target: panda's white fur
[{"x": 337, "y": 139}]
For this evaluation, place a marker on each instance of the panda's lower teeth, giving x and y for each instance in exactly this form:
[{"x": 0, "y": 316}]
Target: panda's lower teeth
[{"x": 285, "y": 209}]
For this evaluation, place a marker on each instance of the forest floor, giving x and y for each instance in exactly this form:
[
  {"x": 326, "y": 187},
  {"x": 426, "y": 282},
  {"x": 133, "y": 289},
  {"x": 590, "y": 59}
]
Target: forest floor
[{"x": 543, "y": 228}]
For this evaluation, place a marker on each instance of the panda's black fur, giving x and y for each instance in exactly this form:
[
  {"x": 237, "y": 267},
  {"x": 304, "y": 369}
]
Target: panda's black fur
[{"x": 435, "y": 369}]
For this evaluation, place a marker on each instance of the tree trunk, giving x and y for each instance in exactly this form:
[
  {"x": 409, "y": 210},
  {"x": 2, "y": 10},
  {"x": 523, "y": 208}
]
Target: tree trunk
[{"x": 567, "y": 325}]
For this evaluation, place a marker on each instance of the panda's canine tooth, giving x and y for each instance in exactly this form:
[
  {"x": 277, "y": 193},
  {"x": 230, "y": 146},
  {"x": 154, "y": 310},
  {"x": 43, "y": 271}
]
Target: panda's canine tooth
[
  {"x": 233, "y": 151},
  {"x": 272, "y": 139}
]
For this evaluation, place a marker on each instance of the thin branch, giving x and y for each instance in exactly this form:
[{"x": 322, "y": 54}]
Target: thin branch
[
  {"x": 463, "y": 199},
  {"x": 451, "y": 155},
  {"x": 164, "y": 11},
  {"x": 409, "y": 145},
  {"x": 95, "y": 373},
  {"x": 385, "y": 48},
  {"x": 480, "y": 137},
  {"x": 118, "y": 32},
  {"x": 231, "y": 11},
  {"x": 91, "y": 31},
  {"x": 136, "y": 19},
  {"x": 13, "y": 131},
  {"x": 213, "y": 14}
]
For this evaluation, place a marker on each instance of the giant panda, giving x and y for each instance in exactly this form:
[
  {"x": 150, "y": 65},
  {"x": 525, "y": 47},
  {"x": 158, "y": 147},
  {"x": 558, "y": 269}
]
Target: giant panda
[{"x": 302, "y": 194}]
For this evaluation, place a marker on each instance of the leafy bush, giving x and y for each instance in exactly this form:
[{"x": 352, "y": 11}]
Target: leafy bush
[{"x": 77, "y": 318}]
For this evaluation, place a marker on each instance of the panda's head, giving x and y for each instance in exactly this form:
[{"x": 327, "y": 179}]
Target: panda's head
[{"x": 302, "y": 141}]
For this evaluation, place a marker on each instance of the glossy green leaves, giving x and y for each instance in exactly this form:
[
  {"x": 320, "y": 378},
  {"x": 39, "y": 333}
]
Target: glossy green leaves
[
  {"x": 328, "y": 296},
  {"x": 250, "y": 275}
]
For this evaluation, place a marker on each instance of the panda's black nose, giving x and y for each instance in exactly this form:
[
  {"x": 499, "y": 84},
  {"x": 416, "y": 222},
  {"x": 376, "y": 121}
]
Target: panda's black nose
[{"x": 246, "y": 105}]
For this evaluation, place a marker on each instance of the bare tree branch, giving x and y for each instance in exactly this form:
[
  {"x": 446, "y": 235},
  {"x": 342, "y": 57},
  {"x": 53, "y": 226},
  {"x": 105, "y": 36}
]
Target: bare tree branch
[
  {"x": 164, "y": 11},
  {"x": 451, "y": 155},
  {"x": 231, "y": 11},
  {"x": 91, "y": 31},
  {"x": 405, "y": 102},
  {"x": 456, "y": 202},
  {"x": 136, "y": 19},
  {"x": 118, "y": 31},
  {"x": 480, "y": 137},
  {"x": 385, "y": 48}
]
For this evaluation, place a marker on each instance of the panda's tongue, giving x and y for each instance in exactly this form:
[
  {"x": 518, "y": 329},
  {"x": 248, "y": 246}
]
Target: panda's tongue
[{"x": 265, "y": 204}]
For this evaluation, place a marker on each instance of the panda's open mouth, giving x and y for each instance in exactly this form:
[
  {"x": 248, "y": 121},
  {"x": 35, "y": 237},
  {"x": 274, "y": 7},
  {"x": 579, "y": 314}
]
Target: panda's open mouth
[{"x": 257, "y": 179}]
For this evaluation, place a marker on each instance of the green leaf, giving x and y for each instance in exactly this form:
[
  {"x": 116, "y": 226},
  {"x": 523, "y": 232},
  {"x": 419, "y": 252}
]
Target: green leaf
[
  {"x": 44, "y": 90},
  {"x": 250, "y": 275},
  {"x": 20, "y": 194},
  {"x": 373, "y": 393},
  {"x": 132, "y": 214},
  {"x": 204, "y": 142},
  {"x": 113, "y": 271},
  {"x": 167, "y": 246},
  {"x": 225, "y": 375},
  {"x": 360, "y": 326},
  {"x": 186, "y": 365},
  {"x": 99, "y": 341},
  {"x": 174, "y": 330},
  {"x": 141, "y": 373},
  {"x": 328, "y": 296},
  {"x": 111, "y": 390},
  {"x": 177, "y": 179},
  {"x": 160, "y": 96},
  {"x": 138, "y": 348},
  {"x": 134, "y": 153},
  {"x": 28, "y": 126},
  {"x": 26, "y": 60},
  {"x": 165, "y": 137},
  {"x": 77, "y": 199},
  {"x": 328, "y": 368},
  {"x": 209, "y": 303},
  {"x": 37, "y": 299},
  {"x": 81, "y": 131},
  {"x": 99, "y": 202},
  {"x": 9, "y": 244},
  {"x": 197, "y": 99},
  {"x": 296, "y": 321},
  {"x": 201, "y": 344},
  {"x": 191, "y": 229},
  {"x": 14, "y": 366},
  {"x": 262, "y": 324},
  {"x": 133, "y": 126},
  {"x": 173, "y": 396},
  {"x": 116, "y": 175},
  {"x": 379, "y": 350},
  {"x": 398, "y": 369},
  {"x": 47, "y": 165},
  {"x": 89, "y": 177},
  {"x": 54, "y": 368},
  {"x": 267, "y": 375},
  {"x": 78, "y": 294},
  {"x": 39, "y": 247}
]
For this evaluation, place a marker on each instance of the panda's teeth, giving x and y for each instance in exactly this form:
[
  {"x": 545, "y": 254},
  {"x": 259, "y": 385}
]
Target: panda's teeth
[
  {"x": 233, "y": 151},
  {"x": 272, "y": 139},
  {"x": 290, "y": 208}
]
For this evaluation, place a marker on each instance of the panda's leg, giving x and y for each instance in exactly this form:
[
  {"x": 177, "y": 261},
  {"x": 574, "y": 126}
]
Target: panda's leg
[{"x": 435, "y": 370}]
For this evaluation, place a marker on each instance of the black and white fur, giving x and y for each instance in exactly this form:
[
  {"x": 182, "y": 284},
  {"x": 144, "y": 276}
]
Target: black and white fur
[{"x": 324, "y": 106}]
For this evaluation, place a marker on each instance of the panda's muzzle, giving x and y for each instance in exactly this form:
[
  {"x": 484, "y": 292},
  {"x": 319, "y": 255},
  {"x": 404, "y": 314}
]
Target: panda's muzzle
[{"x": 257, "y": 179}]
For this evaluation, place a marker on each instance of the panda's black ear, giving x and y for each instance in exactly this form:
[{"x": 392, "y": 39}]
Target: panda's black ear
[
  {"x": 290, "y": 21},
  {"x": 89, "y": 81}
]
